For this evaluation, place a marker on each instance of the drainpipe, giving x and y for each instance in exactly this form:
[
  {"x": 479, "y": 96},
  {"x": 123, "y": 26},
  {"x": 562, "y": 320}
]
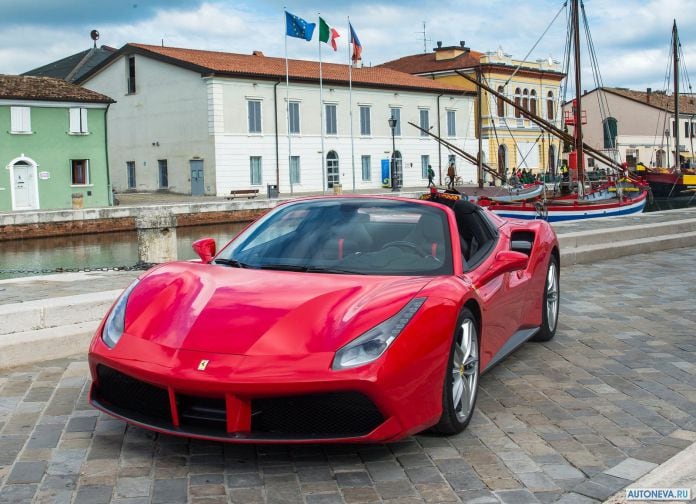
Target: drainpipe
[
  {"x": 110, "y": 193},
  {"x": 439, "y": 145},
  {"x": 275, "y": 117}
]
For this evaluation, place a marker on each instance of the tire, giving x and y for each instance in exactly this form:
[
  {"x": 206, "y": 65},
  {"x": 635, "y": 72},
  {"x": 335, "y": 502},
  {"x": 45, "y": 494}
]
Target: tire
[
  {"x": 461, "y": 377},
  {"x": 551, "y": 303}
]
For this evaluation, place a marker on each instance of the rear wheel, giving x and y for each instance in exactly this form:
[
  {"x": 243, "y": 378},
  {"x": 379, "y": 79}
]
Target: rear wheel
[
  {"x": 551, "y": 303},
  {"x": 460, "y": 386}
]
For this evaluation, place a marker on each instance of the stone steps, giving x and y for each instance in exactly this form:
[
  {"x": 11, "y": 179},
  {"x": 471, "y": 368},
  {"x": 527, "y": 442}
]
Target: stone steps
[{"x": 583, "y": 247}]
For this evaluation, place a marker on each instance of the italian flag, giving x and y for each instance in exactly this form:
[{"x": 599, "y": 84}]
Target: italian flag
[{"x": 328, "y": 34}]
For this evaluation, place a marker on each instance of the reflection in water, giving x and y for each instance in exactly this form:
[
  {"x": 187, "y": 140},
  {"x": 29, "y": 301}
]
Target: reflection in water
[
  {"x": 101, "y": 250},
  {"x": 673, "y": 203}
]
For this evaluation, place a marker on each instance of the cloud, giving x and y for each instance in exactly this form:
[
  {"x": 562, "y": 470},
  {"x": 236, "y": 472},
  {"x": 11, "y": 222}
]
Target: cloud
[{"x": 631, "y": 37}]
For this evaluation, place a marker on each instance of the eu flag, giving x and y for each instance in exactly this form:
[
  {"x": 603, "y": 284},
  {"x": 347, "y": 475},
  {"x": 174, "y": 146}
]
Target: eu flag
[{"x": 298, "y": 27}]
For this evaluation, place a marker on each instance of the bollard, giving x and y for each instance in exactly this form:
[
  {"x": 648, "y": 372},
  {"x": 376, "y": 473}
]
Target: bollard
[{"x": 156, "y": 237}]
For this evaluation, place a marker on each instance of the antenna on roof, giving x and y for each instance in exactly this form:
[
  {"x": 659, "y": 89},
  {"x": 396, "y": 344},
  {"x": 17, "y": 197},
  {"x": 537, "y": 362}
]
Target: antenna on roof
[
  {"x": 94, "y": 35},
  {"x": 425, "y": 39}
]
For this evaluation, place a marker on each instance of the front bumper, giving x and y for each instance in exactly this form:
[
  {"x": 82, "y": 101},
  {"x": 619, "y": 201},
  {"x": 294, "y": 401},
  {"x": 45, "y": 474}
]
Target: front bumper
[{"x": 259, "y": 400}]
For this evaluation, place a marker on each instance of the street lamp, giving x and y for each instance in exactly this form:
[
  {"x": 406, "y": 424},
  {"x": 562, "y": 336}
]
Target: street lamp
[{"x": 392, "y": 125}]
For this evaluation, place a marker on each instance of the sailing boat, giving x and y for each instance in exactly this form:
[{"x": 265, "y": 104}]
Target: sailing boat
[
  {"x": 621, "y": 195},
  {"x": 671, "y": 181}
]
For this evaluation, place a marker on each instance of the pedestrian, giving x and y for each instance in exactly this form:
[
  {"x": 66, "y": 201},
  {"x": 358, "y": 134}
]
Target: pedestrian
[
  {"x": 431, "y": 176},
  {"x": 451, "y": 173}
]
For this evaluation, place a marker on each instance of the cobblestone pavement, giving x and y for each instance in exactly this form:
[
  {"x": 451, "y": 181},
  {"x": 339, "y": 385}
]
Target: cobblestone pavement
[{"x": 572, "y": 420}]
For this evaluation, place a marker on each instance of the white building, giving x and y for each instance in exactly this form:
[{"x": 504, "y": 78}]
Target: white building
[{"x": 202, "y": 122}]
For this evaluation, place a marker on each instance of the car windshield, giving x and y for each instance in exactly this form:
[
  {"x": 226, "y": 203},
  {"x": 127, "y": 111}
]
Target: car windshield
[{"x": 346, "y": 236}]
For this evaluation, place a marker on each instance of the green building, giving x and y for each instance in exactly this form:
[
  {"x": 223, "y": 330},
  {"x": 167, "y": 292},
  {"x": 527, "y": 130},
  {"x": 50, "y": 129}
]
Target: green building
[{"x": 52, "y": 145}]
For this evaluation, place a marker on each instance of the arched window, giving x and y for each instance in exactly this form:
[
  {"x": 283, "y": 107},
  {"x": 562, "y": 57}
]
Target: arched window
[
  {"x": 525, "y": 100},
  {"x": 533, "y": 102},
  {"x": 502, "y": 161},
  {"x": 500, "y": 103},
  {"x": 332, "y": 173},
  {"x": 611, "y": 130},
  {"x": 518, "y": 92},
  {"x": 549, "y": 106},
  {"x": 552, "y": 159}
]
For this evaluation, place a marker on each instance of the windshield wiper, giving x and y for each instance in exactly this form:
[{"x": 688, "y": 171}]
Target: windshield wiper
[
  {"x": 231, "y": 262},
  {"x": 283, "y": 267},
  {"x": 317, "y": 269}
]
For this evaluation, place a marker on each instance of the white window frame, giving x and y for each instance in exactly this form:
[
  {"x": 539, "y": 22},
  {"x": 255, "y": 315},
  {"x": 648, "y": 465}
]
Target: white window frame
[
  {"x": 88, "y": 180},
  {"x": 425, "y": 162},
  {"x": 424, "y": 113},
  {"x": 295, "y": 170},
  {"x": 251, "y": 170},
  {"x": 258, "y": 117},
  {"x": 366, "y": 168},
  {"x": 294, "y": 119},
  {"x": 452, "y": 123},
  {"x": 20, "y": 120},
  {"x": 395, "y": 112},
  {"x": 334, "y": 123},
  {"x": 78, "y": 121},
  {"x": 365, "y": 115}
]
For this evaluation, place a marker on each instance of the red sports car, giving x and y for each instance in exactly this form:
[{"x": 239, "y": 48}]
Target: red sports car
[{"x": 330, "y": 319}]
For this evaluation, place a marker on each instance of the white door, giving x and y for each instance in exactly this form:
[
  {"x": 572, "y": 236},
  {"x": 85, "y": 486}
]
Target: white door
[{"x": 24, "y": 187}]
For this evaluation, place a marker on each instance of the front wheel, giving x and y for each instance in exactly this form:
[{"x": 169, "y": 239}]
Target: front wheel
[
  {"x": 460, "y": 386},
  {"x": 551, "y": 303}
]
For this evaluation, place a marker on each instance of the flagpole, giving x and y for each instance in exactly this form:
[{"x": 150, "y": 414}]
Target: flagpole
[
  {"x": 350, "y": 102},
  {"x": 321, "y": 111},
  {"x": 287, "y": 109}
]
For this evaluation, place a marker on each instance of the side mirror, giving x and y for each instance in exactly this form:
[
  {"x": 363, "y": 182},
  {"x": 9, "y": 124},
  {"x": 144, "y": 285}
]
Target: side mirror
[
  {"x": 205, "y": 248},
  {"x": 506, "y": 261}
]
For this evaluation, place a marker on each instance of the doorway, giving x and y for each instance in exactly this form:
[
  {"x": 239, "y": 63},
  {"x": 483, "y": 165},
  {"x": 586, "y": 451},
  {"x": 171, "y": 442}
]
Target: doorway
[
  {"x": 332, "y": 173},
  {"x": 25, "y": 189},
  {"x": 197, "y": 177}
]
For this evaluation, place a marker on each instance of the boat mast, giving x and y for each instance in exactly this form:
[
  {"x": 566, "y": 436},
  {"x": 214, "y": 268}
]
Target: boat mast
[
  {"x": 675, "y": 48},
  {"x": 579, "y": 157}
]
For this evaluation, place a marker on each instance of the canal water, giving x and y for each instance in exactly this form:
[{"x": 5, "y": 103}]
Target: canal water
[
  {"x": 107, "y": 250},
  {"x": 38, "y": 256}
]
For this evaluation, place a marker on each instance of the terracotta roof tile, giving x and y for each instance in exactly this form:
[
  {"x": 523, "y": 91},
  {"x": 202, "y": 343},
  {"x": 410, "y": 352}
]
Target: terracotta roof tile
[
  {"x": 259, "y": 66},
  {"x": 426, "y": 63},
  {"x": 659, "y": 99},
  {"x": 21, "y": 87}
]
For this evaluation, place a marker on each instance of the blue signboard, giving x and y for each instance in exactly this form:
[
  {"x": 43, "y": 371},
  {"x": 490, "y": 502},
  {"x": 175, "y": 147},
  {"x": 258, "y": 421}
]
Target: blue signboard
[{"x": 386, "y": 179}]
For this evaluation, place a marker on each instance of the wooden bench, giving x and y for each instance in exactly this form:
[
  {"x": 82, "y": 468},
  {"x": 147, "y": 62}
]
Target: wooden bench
[{"x": 248, "y": 193}]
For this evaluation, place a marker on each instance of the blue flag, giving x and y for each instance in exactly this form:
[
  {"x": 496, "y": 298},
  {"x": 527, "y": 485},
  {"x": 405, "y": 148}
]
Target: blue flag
[{"x": 298, "y": 27}]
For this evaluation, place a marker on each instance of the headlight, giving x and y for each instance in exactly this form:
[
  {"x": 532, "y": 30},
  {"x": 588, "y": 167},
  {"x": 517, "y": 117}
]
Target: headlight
[
  {"x": 113, "y": 328},
  {"x": 374, "y": 342}
]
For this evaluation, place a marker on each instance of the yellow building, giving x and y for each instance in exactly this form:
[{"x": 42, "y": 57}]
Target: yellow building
[{"x": 509, "y": 141}]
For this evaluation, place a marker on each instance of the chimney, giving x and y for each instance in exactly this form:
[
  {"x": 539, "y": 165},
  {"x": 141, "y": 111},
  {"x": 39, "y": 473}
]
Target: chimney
[
  {"x": 439, "y": 44},
  {"x": 649, "y": 93},
  {"x": 461, "y": 44},
  {"x": 257, "y": 53}
]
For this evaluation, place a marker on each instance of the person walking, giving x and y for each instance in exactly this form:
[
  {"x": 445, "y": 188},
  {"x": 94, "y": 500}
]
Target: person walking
[
  {"x": 451, "y": 173},
  {"x": 431, "y": 176}
]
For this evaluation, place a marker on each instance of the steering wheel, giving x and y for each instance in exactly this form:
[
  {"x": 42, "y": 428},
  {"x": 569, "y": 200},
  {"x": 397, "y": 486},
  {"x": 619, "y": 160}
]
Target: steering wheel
[{"x": 405, "y": 245}]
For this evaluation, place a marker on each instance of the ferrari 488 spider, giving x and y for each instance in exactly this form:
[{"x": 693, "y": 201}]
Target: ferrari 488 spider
[{"x": 351, "y": 319}]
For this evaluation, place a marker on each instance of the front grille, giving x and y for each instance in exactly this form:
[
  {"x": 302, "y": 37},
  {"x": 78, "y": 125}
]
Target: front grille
[
  {"x": 204, "y": 412},
  {"x": 130, "y": 397},
  {"x": 339, "y": 414}
]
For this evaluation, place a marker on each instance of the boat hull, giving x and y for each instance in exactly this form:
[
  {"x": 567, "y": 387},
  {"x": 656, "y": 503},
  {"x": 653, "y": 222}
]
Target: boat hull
[
  {"x": 579, "y": 211},
  {"x": 665, "y": 184}
]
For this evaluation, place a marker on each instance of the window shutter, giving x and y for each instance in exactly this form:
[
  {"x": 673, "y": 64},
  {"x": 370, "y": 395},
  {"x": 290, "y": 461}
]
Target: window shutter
[
  {"x": 74, "y": 120},
  {"x": 83, "y": 120},
  {"x": 20, "y": 119}
]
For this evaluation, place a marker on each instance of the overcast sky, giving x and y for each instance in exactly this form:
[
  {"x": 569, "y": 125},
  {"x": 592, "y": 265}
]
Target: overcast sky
[{"x": 631, "y": 37}]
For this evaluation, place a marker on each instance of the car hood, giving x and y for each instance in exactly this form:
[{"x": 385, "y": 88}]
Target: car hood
[{"x": 212, "y": 308}]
